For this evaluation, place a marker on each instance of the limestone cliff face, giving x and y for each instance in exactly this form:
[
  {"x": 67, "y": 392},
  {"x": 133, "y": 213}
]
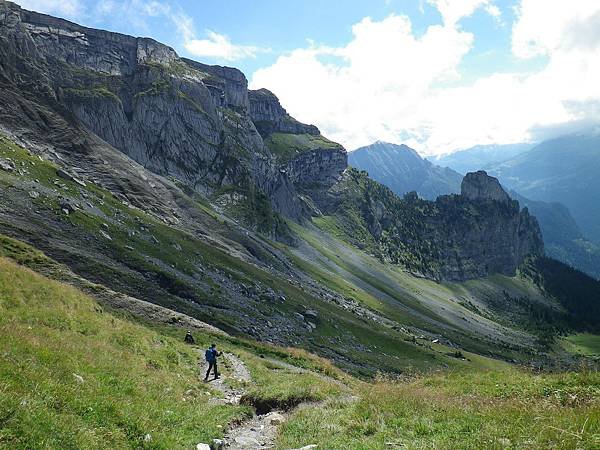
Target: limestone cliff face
[
  {"x": 176, "y": 117},
  {"x": 270, "y": 117},
  {"x": 457, "y": 237},
  {"x": 479, "y": 186},
  {"x": 315, "y": 164}
]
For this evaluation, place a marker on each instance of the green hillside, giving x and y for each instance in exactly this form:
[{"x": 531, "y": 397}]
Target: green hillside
[{"x": 74, "y": 374}]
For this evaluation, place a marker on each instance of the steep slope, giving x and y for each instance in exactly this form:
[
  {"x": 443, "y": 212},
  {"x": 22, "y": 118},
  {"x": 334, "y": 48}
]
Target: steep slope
[
  {"x": 402, "y": 170},
  {"x": 480, "y": 156},
  {"x": 563, "y": 240},
  {"x": 561, "y": 170},
  {"x": 457, "y": 237}
]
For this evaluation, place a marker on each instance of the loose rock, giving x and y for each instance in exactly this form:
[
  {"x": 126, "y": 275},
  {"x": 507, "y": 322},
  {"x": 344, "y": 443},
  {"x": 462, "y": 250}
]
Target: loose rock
[{"x": 7, "y": 166}]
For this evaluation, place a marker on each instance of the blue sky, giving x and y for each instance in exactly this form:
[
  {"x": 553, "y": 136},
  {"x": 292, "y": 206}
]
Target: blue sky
[{"x": 436, "y": 74}]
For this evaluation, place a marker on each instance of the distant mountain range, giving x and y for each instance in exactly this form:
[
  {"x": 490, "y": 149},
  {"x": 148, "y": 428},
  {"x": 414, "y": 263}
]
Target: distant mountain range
[
  {"x": 562, "y": 237},
  {"x": 401, "y": 169},
  {"x": 565, "y": 170},
  {"x": 480, "y": 156}
]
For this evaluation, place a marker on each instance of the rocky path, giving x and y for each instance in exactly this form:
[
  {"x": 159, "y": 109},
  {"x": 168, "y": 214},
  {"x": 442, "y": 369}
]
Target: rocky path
[
  {"x": 257, "y": 433},
  {"x": 231, "y": 392}
]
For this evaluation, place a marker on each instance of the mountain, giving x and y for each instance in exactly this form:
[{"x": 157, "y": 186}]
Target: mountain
[
  {"x": 561, "y": 170},
  {"x": 402, "y": 170},
  {"x": 563, "y": 240},
  {"x": 156, "y": 180},
  {"x": 144, "y": 195},
  {"x": 480, "y": 156},
  {"x": 457, "y": 237}
]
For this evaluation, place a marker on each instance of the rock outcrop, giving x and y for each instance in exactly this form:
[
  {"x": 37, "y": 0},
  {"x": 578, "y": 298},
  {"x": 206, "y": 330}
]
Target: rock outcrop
[
  {"x": 479, "y": 186},
  {"x": 457, "y": 237},
  {"x": 270, "y": 117}
]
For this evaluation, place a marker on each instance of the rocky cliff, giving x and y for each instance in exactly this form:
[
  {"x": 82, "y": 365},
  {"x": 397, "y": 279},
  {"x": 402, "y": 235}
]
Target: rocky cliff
[
  {"x": 176, "y": 117},
  {"x": 478, "y": 186},
  {"x": 457, "y": 237}
]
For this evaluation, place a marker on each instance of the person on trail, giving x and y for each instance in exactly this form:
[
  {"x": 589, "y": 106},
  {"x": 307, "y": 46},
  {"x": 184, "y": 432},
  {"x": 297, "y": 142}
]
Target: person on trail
[
  {"x": 189, "y": 339},
  {"x": 211, "y": 358}
]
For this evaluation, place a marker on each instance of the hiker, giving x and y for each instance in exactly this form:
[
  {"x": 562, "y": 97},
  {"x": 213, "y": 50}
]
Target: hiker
[
  {"x": 211, "y": 359},
  {"x": 189, "y": 339}
]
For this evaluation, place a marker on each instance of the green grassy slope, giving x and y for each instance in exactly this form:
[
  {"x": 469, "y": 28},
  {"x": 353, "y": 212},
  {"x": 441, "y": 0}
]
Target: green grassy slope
[
  {"x": 460, "y": 312},
  {"x": 76, "y": 375},
  {"x": 286, "y": 147},
  {"x": 585, "y": 344}
]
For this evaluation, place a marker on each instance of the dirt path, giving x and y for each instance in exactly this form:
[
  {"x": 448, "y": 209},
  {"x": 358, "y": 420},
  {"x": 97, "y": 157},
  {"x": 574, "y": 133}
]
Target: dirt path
[
  {"x": 231, "y": 392},
  {"x": 257, "y": 433}
]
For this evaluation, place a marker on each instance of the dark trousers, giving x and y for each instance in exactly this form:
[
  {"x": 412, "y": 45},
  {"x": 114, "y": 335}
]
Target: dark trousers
[{"x": 212, "y": 364}]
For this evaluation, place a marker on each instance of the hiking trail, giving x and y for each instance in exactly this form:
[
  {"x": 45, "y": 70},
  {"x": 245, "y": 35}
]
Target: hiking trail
[{"x": 256, "y": 433}]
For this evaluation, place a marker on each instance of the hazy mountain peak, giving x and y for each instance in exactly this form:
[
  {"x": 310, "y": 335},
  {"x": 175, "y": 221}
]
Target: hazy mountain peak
[{"x": 403, "y": 170}]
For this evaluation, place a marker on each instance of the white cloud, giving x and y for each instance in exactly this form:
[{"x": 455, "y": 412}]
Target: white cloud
[
  {"x": 389, "y": 84},
  {"x": 131, "y": 15},
  {"x": 215, "y": 45},
  {"x": 544, "y": 28},
  {"x": 67, "y": 8},
  {"x": 373, "y": 87},
  {"x": 219, "y": 46}
]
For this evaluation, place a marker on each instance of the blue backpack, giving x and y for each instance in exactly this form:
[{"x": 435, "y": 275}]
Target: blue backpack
[{"x": 209, "y": 355}]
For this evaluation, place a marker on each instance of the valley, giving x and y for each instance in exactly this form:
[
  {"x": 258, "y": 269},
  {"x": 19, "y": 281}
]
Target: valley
[{"x": 144, "y": 195}]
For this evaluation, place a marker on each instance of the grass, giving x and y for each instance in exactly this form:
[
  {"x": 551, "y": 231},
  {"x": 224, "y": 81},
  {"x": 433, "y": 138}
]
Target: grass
[
  {"x": 286, "y": 146},
  {"x": 75, "y": 376},
  {"x": 373, "y": 281},
  {"x": 462, "y": 410},
  {"x": 94, "y": 92},
  {"x": 583, "y": 344},
  {"x": 281, "y": 386}
]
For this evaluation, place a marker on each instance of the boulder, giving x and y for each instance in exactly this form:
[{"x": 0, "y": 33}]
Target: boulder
[
  {"x": 311, "y": 314},
  {"x": 65, "y": 205},
  {"x": 275, "y": 418},
  {"x": 105, "y": 235},
  {"x": 6, "y": 165},
  {"x": 217, "y": 444},
  {"x": 78, "y": 378}
]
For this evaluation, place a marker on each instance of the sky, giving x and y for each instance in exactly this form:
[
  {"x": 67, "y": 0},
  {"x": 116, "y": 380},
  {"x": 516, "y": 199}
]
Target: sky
[{"x": 438, "y": 75}]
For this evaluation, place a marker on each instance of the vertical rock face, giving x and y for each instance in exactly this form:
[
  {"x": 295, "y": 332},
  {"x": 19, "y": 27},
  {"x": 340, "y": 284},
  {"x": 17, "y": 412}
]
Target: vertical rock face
[
  {"x": 269, "y": 116},
  {"x": 457, "y": 237},
  {"x": 97, "y": 50},
  {"x": 480, "y": 186},
  {"x": 315, "y": 163},
  {"x": 174, "y": 116}
]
